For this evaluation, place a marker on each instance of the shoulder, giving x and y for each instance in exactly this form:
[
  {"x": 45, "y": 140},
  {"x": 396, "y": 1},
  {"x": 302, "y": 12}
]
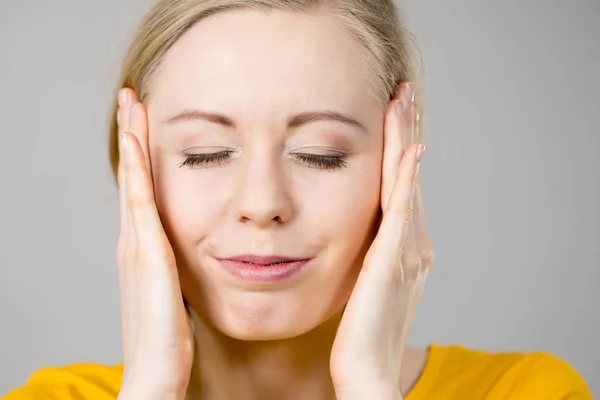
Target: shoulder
[
  {"x": 72, "y": 381},
  {"x": 544, "y": 374},
  {"x": 462, "y": 373}
]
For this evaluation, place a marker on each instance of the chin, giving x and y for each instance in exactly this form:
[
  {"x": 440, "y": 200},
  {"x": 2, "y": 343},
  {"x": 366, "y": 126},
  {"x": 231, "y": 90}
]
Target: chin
[
  {"x": 267, "y": 317},
  {"x": 264, "y": 332}
]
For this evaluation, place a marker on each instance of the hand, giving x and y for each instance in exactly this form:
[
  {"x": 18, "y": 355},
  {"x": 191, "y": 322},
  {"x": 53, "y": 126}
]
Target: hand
[
  {"x": 367, "y": 351},
  {"x": 158, "y": 342}
]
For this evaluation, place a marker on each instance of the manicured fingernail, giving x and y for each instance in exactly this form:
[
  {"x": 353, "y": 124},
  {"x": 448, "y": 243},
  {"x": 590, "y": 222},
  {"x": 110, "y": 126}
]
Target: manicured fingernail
[
  {"x": 410, "y": 92},
  {"x": 122, "y": 98},
  {"x": 400, "y": 108},
  {"x": 398, "y": 91},
  {"x": 123, "y": 142},
  {"x": 420, "y": 152}
]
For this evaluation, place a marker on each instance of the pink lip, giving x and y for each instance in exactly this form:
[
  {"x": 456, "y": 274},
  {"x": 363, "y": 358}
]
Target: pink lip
[
  {"x": 263, "y": 268},
  {"x": 262, "y": 260}
]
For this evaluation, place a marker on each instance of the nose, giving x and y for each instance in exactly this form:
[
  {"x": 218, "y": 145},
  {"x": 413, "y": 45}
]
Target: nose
[{"x": 262, "y": 198}]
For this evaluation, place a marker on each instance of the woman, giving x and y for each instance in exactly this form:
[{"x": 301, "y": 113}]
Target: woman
[{"x": 273, "y": 243}]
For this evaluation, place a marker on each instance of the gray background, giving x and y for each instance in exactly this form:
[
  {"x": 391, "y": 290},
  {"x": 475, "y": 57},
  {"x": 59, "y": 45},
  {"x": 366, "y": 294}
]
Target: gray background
[{"x": 511, "y": 179}]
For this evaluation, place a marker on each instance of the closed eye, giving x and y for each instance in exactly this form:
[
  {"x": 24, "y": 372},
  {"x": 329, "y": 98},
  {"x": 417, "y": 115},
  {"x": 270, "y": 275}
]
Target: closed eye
[
  {"x": 330, "y": 162},
  {"x": 206, "y": 159}
]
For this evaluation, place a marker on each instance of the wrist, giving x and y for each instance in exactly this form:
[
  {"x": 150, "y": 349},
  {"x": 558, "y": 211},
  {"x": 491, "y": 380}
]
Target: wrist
[
  {"x": 149, "y": 392},
  {"x": 369, "y": 391}
]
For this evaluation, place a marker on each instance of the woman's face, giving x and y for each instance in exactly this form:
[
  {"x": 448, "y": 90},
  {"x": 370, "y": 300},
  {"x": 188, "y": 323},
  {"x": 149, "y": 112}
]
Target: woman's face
[{"x": 283, "y": 100}]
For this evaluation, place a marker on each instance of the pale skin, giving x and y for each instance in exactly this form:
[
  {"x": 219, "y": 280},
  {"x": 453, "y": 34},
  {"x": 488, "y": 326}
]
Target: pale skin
[{"x": 287, "y": 340}]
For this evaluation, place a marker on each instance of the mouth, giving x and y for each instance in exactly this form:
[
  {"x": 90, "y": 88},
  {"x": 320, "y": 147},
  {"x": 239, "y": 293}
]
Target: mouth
[
  {"x": 263, "y": 269},
  {"x": 264, "y": 260}
]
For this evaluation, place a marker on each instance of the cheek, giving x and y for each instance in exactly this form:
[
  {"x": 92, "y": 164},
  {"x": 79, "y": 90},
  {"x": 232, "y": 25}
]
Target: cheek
[
  {"x": 190, "y": 208},
  {"x": 343, "y": 204}
]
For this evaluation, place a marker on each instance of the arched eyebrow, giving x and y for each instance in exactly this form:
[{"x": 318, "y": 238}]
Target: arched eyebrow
[{"x": 293, "y": 122}]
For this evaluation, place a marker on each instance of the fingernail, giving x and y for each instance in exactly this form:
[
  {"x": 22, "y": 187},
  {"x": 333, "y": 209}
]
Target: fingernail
[
  {"x": 400, "y": 108},
  {"x": 420, "y": 152},
  {"x": 123, "y": 142},
  {"x": 410, "y": 92},
  {"x": 398, "y": 91},
  {"x": 122, "y": 98}
]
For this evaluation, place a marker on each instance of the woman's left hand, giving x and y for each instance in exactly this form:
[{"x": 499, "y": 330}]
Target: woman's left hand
[{"x": 367, "y": 352}]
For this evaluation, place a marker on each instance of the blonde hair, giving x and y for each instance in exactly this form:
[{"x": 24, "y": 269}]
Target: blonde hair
[{"x": 377, "y": 25}]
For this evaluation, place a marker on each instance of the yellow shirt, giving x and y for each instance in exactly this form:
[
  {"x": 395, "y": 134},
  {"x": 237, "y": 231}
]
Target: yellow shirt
[{"x": 451, "y": 373}]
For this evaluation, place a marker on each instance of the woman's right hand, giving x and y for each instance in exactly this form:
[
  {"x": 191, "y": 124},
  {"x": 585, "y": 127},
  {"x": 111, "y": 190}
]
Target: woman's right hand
[{"x": 158, "y": 343}]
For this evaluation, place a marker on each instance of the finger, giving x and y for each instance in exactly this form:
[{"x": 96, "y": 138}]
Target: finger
[
  {"x": 394, "y": 227},
  {"x": 138, "y": 125},
  {"x": 126, "y": 99},
  {"x": 122, "y": 180},
  {"x": 123, "y": 124},
  {"x": 410, "y": 257},
  {"x": 414, "y": 270},
  {"x": 140, "y": 196},
  {"x": 412, "y": 277},
  {"x": 126, "y": 242},
  {"x": 398, "y": 136},
  {"x": 392, "y": 147},
  {"x": 410, "y": 122},
  {"x": 420, "y": 229},
  {"x": 410, "y": 295}
]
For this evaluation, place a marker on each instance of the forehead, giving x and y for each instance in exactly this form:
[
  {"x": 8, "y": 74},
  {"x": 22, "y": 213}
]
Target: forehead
[{"x": 260, "y": 60}]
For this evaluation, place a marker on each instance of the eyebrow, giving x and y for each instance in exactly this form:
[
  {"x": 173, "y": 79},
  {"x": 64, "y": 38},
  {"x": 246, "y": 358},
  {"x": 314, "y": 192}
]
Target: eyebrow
[{"x": 293, "y": 122}]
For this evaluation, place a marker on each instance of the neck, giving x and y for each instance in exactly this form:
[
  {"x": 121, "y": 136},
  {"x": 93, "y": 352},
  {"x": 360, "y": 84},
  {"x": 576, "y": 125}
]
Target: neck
[{"x": 296, "y": 368}]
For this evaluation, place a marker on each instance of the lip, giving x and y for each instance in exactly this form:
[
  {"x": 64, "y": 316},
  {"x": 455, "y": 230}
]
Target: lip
[
  {"x": 263, "y": 269},
  {"x": 262, "y": 260}
]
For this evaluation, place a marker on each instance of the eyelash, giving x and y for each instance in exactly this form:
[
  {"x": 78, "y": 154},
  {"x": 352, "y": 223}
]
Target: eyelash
[
  {"x": 328, "y": 162},
  {"x": 205, "y": 159}
]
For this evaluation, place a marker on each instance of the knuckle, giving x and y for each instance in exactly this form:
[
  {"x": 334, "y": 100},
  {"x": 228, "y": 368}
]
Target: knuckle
[
  {"x": 428, "y": 257},
  {"x": 407, "y": 211},
  {"x": 398, "y": 274},
  {"x": 411, "y": 266},
  {"x": 411, "y": 259}
]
